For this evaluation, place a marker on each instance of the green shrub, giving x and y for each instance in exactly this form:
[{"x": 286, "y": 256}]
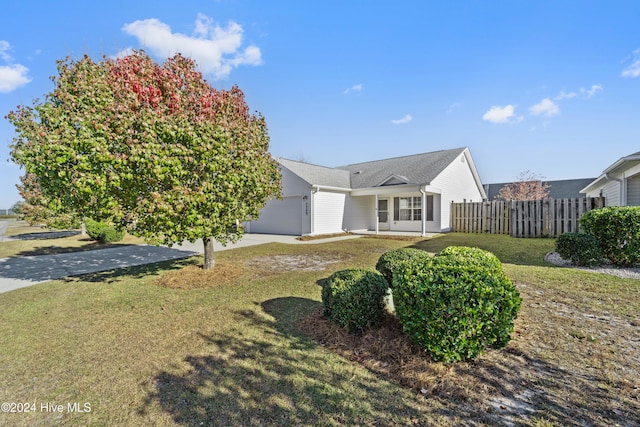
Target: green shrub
[
  {"x": 390, "y": 260},
  {"x": 617, "y": 230},
  {"x": 102, "y": 232},
  {"x": 354, "y": 299},
  {"x": 111, "y": 234},
  {"x": 580, "y": 248},
  {"x": 456, "y": 305}
]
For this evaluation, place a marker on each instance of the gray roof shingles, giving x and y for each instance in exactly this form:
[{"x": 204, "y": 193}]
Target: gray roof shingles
[{"x": 416, "y": 169}]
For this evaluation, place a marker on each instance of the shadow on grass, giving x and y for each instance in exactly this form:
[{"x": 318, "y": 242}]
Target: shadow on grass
[
  {"x": 45, "y": 235},
  {"x": 275, "y": 377},
  {"x": 56, "y": 250}
]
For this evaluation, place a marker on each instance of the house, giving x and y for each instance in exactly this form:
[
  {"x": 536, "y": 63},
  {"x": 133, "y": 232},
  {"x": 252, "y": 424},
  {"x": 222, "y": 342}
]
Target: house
[
  {"x": 619, "y": 183},
  {"x": 558, "y": 189},
  {"x": 410, "y": 193}
]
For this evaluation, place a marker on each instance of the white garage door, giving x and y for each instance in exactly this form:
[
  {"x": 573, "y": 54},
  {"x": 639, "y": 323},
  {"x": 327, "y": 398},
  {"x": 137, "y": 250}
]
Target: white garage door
[{"x": 280, "y": 217}]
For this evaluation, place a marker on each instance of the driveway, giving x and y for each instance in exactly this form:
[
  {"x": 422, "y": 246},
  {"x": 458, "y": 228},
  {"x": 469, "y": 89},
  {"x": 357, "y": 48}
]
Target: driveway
[{"x": 19, "y": 272}]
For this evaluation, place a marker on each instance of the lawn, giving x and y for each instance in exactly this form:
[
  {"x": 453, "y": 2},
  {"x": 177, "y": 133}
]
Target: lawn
[{"x": 152, "y": 346}]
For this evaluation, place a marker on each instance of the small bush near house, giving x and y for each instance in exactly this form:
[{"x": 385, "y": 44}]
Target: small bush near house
[
  {"x": 456, "y": 305},
  {"x": 617, "y": 230},
  {"x": 580, "y": 248},
  {"x": 390, "y": 260},
  {"x": 354, "y": 299},
  {"x": 102, "y": 232}
]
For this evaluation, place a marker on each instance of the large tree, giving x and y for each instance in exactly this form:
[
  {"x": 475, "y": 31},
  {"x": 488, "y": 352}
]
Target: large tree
[
  {"x": 152, "y": 148},
  {"x": 528, "y": 186}
]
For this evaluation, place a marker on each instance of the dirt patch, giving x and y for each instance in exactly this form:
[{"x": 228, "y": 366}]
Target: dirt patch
[
  {"x": 194, "y": 277},
  {"x": 323, "y": 236},
  {"x": 283, "y": 263}
]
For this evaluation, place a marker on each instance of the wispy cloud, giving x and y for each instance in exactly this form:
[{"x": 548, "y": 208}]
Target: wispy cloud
[
  {"x": 565, "y": 95},
  {"x": 354, "y": 89},
  {"x": 633, "y": 70},
  {"x": 12, "y": 76},
  {"x": 217, "y": 50},
  {"x": 592, "y": 91},
  {"x": 402, "y": 121},
  {"x": 499, "y": 115},
  {"x": 454, "y": 107},
  {"x": 546, "y": 108}
]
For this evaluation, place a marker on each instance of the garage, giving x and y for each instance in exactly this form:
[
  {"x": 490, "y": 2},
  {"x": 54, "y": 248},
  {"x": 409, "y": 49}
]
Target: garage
[{"x": 279, "y": 217}]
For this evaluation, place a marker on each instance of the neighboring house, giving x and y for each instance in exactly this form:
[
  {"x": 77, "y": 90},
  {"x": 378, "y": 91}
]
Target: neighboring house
[
  {"x": 619, "y": 183},
  {"x": 559, "y": 189},
  {"x": 410, "y": 193}
]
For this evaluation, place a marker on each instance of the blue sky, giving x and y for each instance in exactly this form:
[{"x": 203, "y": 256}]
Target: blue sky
[{"x": 547, "y": 86}]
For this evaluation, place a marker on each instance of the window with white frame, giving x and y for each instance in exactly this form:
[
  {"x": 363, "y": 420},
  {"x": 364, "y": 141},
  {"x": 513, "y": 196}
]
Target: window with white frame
[{"x": 407, "y": 208}]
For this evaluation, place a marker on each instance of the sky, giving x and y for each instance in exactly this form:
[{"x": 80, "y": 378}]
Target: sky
[{"x": 551, "y": 87}]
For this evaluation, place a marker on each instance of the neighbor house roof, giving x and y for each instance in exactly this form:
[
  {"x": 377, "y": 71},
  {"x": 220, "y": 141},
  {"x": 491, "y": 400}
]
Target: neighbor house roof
[
  {"x": 415, "y": 169},
  {"x": 621, "y": 164},
  {"x": 559, "y": 189}
]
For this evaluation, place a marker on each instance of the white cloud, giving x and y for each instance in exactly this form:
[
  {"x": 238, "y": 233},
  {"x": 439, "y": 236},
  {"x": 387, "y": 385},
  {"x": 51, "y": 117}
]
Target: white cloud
[
  {"x": 565, "y": 95},
  {"x": 4, "y": 49},
  {"x": 497, "y": 114},
  {"x": 402, "y": 121},
  {"x": 217, "y": 50},
  {"x": 355, "y": 88},
  {"x": 590, "y": 92},
  {"x": 546, "y": 108},
  {"x": 12, "y": 77},
  {"x": 454, "y": 107},
  {"x": 633, "y": 70},
  {"x": 124, "y": 52}
]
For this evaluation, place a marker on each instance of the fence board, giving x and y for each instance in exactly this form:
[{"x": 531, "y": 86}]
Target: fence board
[{"x": 531, "y": 218}]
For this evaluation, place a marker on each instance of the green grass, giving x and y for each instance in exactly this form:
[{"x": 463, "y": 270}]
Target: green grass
[{"x": 229, "y": 354}]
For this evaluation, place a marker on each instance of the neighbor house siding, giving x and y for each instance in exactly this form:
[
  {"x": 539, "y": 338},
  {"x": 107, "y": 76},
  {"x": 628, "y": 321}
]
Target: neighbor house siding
[
  {"x": 633, "y": 191},
  {"x": 610, "y": 190},
  {"x": 456, "y": 183},
  {"x": 328, "y": 212}
]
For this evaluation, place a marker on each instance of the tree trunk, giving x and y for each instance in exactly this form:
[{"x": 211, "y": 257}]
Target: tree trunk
[{"x": 209, "y": 260}]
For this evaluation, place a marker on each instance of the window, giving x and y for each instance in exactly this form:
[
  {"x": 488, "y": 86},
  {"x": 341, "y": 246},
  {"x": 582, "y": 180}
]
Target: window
[{"x": 407, "y": 208}]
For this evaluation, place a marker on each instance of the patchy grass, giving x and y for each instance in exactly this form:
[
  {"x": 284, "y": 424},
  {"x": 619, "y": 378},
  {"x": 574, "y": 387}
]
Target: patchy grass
[
  {"x": 248, "y": 347},
  {"x": 322, "y": 236}
]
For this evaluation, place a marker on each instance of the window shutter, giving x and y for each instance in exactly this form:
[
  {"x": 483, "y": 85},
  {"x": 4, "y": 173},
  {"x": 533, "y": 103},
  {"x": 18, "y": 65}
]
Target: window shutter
[
  {"x": 396, "y": 208},
  {"x": 429, "y": 208}
]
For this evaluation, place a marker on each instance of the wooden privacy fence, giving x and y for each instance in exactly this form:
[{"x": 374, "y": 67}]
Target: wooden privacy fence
[{"x": 530, "y": 218}]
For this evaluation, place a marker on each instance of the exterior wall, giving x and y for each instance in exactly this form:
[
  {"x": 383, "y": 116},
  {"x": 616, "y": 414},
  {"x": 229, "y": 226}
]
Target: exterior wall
[
  {"x": 610, "y": 191},
  {"x": 456, "y": 184},
  {"x": 328, "y": 212},
  {"x": 416, "y": 226},
  {"x": 290, "y": 215},
  {"x": 358, "y": 213}
]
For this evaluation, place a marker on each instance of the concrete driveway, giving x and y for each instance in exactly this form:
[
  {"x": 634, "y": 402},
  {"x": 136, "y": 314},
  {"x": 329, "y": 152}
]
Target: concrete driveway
[{"x": 21, "y": 271}]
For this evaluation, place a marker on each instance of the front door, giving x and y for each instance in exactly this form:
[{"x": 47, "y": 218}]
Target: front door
[{"x": 383, "y": 214}]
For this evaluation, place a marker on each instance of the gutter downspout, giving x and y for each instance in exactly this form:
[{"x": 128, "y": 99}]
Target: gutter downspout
[
  {"x": 423, "y": 191},
  {"x": 621, "y": 182},
  {"x": 377, "y": 216}
]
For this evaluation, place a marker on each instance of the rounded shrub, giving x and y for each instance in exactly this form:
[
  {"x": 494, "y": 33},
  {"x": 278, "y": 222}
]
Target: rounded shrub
[
  {"x": 102, "y": 232},
  {"x": 617, "y": 230},
  {"x": 354, "y": 299},
  {"x": 457, "y": 305},
  {"x": 390, "y": 260},
  {"x": 580, "y": 248}
]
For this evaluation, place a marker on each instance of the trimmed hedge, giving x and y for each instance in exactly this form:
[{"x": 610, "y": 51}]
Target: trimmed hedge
[
  {"x": 617, "y": 230},
  {"x": 102, "y": 232},
  {"x": 580, "y": 248},
  {"x": 390, "y": 260},
  {"x": 456, "y": 305},
  {"x": 354, "y": 299}
]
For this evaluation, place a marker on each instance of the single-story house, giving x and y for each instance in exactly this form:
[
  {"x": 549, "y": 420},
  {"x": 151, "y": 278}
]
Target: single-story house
[
  {"x": 619, "y": 183},
  {"x": 410, "y": 193}
]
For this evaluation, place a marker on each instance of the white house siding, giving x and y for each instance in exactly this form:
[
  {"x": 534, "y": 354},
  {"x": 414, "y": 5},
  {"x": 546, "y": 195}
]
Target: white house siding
[
  {"x": 328, "y": 212},
  {"x": 397, "y": 225},
  {"x": 456, "y": 183},
  {"x": 611, "y": 192},
  {"x": 280, "y": 217},
  {"x": 358, "y": 213}
]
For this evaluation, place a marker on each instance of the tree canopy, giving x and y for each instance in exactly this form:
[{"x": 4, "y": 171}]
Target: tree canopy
[{"x": 150, "y": 148}]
